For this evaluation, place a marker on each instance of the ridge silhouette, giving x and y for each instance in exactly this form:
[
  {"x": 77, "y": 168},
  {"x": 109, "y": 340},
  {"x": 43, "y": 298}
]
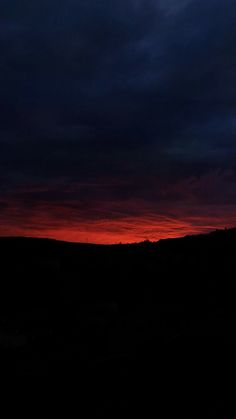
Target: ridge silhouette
[{"x": 151, "y": 317}]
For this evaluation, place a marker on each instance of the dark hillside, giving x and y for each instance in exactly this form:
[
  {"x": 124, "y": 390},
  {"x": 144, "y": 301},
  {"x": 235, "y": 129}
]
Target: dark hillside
[{"x": 143, "y": 327}]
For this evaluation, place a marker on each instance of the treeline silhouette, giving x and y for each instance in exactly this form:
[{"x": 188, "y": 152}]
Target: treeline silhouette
[{"x": 146, "y": 327}]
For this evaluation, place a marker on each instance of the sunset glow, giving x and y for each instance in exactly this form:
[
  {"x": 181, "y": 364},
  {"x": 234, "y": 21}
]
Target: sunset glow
[
  {"x": 151, "y": 227},
  {"x": 117, "y": 119}
]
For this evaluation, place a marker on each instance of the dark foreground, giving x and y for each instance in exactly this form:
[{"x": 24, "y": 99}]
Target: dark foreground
[{"x": 116, "y": 331}]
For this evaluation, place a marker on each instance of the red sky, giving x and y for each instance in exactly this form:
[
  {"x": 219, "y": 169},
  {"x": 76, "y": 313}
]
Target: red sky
[
  {"x": 117, "y": 124},
  {"x": 151, "y": 226},
  {"x": 114, "y": 211}
]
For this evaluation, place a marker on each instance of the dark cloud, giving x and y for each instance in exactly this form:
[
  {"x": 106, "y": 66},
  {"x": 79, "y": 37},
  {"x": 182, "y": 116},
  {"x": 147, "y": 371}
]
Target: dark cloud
[{"x": 138, "y": 95}]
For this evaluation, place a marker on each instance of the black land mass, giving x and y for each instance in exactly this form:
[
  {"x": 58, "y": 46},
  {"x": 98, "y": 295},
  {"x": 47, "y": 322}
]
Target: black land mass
[{"x": 138, "y": 328}]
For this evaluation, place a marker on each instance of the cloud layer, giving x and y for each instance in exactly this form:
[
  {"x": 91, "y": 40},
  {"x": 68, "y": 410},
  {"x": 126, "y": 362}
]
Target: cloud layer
[{"x": 117, "y": 117}]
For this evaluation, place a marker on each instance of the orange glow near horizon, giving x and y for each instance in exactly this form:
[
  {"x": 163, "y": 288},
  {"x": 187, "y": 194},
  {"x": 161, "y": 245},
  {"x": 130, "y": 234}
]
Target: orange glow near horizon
[
  {"x": 127, "y": 230},
  {"x": 99, "y": 213}
]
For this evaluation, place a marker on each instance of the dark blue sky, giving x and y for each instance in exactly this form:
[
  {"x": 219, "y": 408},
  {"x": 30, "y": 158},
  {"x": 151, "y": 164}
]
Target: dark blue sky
[{"x": 117, "y": 118}]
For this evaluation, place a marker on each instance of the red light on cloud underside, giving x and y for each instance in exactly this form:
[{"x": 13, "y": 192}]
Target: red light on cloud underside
[{"x": 127, "y": 230}]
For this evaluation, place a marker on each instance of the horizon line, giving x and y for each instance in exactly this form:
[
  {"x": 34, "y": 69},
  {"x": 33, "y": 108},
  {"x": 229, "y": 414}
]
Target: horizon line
[{"x": 118, "y": 243}]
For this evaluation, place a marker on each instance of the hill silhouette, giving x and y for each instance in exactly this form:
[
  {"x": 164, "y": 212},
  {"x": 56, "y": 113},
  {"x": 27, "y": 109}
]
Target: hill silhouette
[{"x": 143, "y": 328}]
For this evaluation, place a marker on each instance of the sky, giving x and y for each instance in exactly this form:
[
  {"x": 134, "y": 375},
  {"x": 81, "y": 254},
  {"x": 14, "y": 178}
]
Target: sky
[{"x": 117, "y": 118}]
